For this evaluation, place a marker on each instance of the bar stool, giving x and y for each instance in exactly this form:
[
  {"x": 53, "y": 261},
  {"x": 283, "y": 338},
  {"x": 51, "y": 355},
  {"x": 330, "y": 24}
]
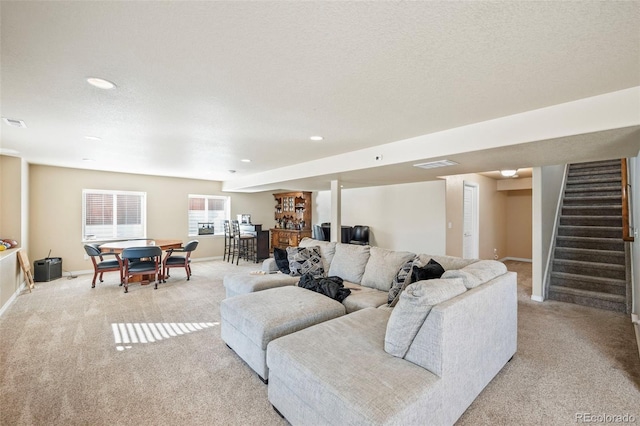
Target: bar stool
[
  {"x": 228, "y": 241},
  {"x": 244, "y": 244}
]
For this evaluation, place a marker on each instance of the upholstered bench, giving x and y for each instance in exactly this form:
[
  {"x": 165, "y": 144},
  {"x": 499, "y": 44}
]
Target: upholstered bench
[{"x": 250, "y": 321}]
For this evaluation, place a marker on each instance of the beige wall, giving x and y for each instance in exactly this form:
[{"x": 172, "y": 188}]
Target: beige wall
[
  {"x": 519, "y": 232},
  {"x": 56, "y": 210},
  {"x": 493, "y": 213},
  {"x": 13, "y": 223},
  {"x": 408, "y": 217}
]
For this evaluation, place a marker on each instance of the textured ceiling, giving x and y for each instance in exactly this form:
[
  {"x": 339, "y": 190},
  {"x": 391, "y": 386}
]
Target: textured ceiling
[{"x": 202, "y": 85}]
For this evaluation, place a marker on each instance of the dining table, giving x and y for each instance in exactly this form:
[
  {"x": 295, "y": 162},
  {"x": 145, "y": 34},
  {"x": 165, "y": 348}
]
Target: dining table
[{"x": 119, "y": 246}]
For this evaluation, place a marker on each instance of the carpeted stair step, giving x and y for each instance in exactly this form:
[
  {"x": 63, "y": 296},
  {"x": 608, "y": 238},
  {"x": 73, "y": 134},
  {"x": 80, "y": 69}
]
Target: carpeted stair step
[
  {"x": 590, "y": 174},
  {"x": 612, "y": 302},
  {"x": 591, "y": 210},
  {"x": 588, "y": 185},
  {"x": 594, "y": 269},
  {"x": 582, "y": 282},
  {"x": 611, "y": 221},
  {"x": 590, "y": 231},
  {"x": 590, "y": 255},
  {"x": 593, "y": 191},
  {"x": 595, "y": 165},
  {"x": 590, "y": 243},
  {"x": 592, "y": 200}
]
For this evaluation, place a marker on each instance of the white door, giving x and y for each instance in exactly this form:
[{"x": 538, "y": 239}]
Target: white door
[{"x": 470, "y": 227}]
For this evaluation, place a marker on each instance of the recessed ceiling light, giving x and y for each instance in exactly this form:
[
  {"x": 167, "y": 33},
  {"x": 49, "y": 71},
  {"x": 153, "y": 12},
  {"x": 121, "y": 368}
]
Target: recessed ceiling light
[
  {"x": 245, "y": 160},
  {"x": 508, "y": 172},
  {"x": 13, "y": 122},
  {"x": 93, "y": 138},
  {"x": 100, "y": 83},
  {"x": 88, "y": 159},
  {"x": 232, "y": 171},
  {"x": 316, "y": 138}
]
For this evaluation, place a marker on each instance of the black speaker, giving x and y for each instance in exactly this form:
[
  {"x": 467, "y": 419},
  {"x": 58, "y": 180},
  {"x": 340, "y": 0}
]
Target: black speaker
[{"x": 47, "y": 269}]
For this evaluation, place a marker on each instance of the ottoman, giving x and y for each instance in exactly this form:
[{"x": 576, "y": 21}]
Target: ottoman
[
  {"x": 243, "y": 283},
  {"x": 250, "y": 321}
]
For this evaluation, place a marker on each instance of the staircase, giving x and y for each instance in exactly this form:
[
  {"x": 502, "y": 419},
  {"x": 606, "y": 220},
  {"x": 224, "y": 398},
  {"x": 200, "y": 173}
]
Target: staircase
[{"x": 590, "y": 265}]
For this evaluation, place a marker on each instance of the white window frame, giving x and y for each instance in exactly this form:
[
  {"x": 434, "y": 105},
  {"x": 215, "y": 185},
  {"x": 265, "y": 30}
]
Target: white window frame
[
  {"x": 116, "y": 233},
  {"x": 218, "y": 227}
]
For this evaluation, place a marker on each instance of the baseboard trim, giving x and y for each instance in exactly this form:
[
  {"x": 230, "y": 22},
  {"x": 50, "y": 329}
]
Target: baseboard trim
[
  {"x": 636, "y": 325},
  {"x": 206, "y": 259},
  {"x": 12, "y": 298},
  {"x": 537, "y": 299},
  {"x": 518, "y": 259}
]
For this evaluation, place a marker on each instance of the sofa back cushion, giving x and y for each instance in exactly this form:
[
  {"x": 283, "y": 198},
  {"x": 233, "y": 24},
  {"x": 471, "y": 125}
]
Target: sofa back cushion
[
  {"x": 327, "y": 250},
  {"x": 349, "y": 262},
  {"x": 447, "y": 262},
  {"x": 477, "y": 273},
  {"x": 383, "y": 265},
  {"x": 413, "y": 308}
]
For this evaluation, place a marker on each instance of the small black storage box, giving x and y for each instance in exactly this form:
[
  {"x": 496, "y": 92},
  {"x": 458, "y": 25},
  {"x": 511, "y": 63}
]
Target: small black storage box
[{"x": 47, "y": 269}]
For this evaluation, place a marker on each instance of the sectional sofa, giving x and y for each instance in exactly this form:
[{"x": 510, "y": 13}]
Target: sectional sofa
[{"x": 421, "y": 359}]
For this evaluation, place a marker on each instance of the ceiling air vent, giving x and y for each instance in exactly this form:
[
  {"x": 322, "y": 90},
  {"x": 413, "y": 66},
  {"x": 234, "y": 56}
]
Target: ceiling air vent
[
  {"x": 435, "y": 164},
  {"x": 14, "y": 123}
]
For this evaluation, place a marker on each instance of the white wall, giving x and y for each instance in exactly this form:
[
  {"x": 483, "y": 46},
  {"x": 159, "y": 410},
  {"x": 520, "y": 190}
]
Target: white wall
[
  {"x": 634, "y": 178},
  {"x": 547, "y": 187},
  {"x": 407, "y": 217}
]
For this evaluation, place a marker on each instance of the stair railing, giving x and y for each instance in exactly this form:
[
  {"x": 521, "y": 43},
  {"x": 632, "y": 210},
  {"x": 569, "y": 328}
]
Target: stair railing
[{"x": 627, "y": 218}]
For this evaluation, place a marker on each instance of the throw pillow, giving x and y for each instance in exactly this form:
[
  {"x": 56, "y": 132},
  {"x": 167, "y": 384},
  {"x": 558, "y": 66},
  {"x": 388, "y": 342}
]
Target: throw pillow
[
  {"x": 282, "y": 260},
  {"x": 412, "y": 310},
  {"x": 305, "y": 260},
  {"x": 327, "y": 250},
  {"x": 407, "y": 281},
  {"x": 399, "y": 280},
  {"x": 429, "y": 271}
]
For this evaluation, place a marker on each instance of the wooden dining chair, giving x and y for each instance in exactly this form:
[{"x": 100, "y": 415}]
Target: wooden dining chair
[
  {"x": 100, "y": 265},
  {"x": 142, "y": 261},
  {"x": 172, "y": 261}
]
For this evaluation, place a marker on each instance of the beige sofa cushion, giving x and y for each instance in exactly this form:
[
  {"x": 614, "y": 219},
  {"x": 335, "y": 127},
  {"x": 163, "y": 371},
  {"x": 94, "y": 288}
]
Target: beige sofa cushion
[
  {"x": 447, "y": 262},
  {"x": 477, "y": 273},
  {"x": 412, "y": 309},
  {"x": 382, "y": 267},
  {"x": 349, "y": 262},
  {"x": 327, "y": 250}
]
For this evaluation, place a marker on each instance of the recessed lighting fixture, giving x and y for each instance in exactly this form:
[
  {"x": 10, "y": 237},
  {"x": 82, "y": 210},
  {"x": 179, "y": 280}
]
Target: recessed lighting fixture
[
  {"x": 508, "y": 172},
  {"x": 88, "y": 159},
  {"x": 435, "y": 164},
  {"x": 13, "y": 122},
  {"x": 101, "y": 83},
  {"x": 316, "y": 138},
  {"x": 245, "y": 160},
  {"x": 93, "y": 138},
  {"x": 232, "y": 171}
]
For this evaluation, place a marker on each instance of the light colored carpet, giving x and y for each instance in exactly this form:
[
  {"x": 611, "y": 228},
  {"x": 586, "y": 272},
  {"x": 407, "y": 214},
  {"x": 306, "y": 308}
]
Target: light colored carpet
[{"x": 61, "y": 362}]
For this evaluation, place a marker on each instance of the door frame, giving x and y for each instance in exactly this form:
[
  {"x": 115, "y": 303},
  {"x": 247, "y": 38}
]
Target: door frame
[{"x": 475, "y": 220}]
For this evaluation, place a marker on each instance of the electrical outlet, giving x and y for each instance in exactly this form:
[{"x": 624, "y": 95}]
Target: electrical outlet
[{"x": 86, "y": 256}]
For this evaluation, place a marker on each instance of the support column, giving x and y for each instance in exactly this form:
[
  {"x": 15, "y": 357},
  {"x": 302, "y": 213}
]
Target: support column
[{"x": 336, "y": 208}]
